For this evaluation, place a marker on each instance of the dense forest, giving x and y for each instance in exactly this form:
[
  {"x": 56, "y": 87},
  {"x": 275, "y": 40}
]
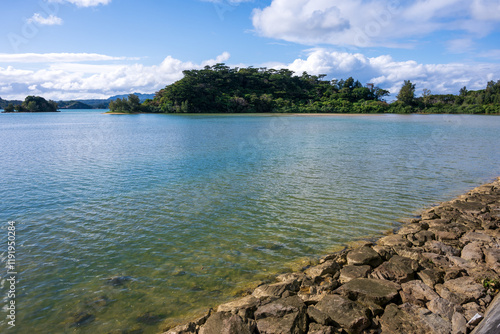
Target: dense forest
[
  {"x": 32, "y": 104},
  {"x": 221, "y": 89}
]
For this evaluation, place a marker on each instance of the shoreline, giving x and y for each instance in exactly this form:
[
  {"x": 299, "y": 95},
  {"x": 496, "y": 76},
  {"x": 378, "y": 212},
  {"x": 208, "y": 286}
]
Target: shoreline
[
  {"x": 438, "y": 273},
  {"x": 290, "y": 114}
]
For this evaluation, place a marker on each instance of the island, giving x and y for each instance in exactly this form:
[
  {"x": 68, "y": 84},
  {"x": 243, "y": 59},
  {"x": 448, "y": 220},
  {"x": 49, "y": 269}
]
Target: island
[
  {"x": 221, "y": 89},
  {"x": 32, "y": 104}
]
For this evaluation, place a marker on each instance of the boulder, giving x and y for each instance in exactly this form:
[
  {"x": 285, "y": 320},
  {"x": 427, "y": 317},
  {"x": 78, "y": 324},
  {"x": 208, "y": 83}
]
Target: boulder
[
  {"x": 472, "y": 252},
  {"x": 292, "y": 323},
  {"x": 318, "y": 316},
  {"x": 442, "y": 307},
  {"x": 421, "y": 237},
  {"x": 440, "y": 248},
  {"x": 466, "y": 287},
  {"x": 280, "y": 308},
  {"x": 458, "y": 324},
  {"x": 349, "y": 273},
  {"x": 245, "y": 306},
  {"x": 417, "y": 292},
  {"x": 376, "y": 291},
  {"x": 328, "y": 267},
  {"x": 225, "y": 323},
  {"x": 364, "y": 256},
  {"x": 412, "y": 319},
  {"x": 276, "y": 290},
  {"x": 431, "y": 277},
  {"x": 351, "y": 316},
  {"x": 398, "y": 269},
  {"x": 492, "y": 256},
  {"x": 320, "y": 329},
  {"x": 182, "y": 329},
  {"x": 395, "y": 240},
  {"x": 476, "y": 236}
]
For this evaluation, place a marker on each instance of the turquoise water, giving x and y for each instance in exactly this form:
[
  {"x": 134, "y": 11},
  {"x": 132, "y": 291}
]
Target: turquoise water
[{"x": 193, "y": 209}]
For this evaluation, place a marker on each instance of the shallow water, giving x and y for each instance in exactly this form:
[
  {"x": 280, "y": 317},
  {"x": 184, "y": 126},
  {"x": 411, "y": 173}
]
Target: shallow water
[{"x": 194, "y": 209}]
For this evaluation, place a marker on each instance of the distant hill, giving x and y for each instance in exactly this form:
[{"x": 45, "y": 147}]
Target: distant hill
[
  {"x": 99, "y": 103},
  {"x": 73, "y": 105},
  {"x": 84, "y": 104},
  {"x": 142, "y": 97}
]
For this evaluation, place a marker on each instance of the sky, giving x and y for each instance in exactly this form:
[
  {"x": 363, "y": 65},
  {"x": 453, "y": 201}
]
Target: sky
[{"x": 82, "y": 49}]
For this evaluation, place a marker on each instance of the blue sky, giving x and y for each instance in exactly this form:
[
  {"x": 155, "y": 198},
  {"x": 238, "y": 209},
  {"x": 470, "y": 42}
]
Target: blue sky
[{"x": 74, "y": 49}]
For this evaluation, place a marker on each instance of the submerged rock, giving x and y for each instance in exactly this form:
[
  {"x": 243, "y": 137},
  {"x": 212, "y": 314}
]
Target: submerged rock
[{"x": 119, "y": 280}]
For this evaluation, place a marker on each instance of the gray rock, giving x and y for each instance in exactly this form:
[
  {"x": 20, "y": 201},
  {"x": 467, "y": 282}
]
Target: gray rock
[
  {"x": 320, "y": 329},
  {"x": 492, "y": 256},
  {"x": 449, "y": 232},
  {"x": 328, "y": 267},
  {"x": 351, "y": 316},
  {"x": 440, "y": 248},
  {"x": 280, "y": 308},
  {"x": 379, "y": 292},
  {"x": 421, "y": 237},
  {"x": 183, "y": 329},
  {"x": 472, "y": 252},
  {"x": 412, "y": 319},
  {"x": 225, "y": 323},
  {"x": 245, "y": 306},
  {"x": 442, "y": 307},
  {"x": 348, "y": 273},
  {"x": 385, "y": 252},
  {"x": 398, "y": 269},
  {"x": 292, "y": 323},
  {"x": 467, "y": 287},
  {"x": 410, "y": 229},
  {"x": 394, "y": 240},
  {"x": 363, "y": 256},
  {"x": 431, "y": 277},
  {"x": 472, "y": 208},
  {"x": 417, "y": 292},
  {"x": 458, "y": 324},
  {"x": 318, "y": 316},
  {"x": 476, "y": 236},
  {"x": 276, "y": 290},
  {"x": 455, "y": 298}
]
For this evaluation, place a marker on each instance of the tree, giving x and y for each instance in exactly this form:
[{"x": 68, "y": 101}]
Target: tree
[
  {"x": 407, "y": 93},
  {"x": 463, "y": 91},
  {"x": 9, "y": 108},
  {"x": 426, "y": 96}
]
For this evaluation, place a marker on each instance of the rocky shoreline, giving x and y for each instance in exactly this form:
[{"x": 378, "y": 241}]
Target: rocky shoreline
[{"x": 438, "y": 274}]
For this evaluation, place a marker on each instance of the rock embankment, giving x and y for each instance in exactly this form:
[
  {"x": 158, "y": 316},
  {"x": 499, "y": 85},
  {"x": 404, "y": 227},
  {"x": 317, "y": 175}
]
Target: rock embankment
[{"x": 437, "y": 274}]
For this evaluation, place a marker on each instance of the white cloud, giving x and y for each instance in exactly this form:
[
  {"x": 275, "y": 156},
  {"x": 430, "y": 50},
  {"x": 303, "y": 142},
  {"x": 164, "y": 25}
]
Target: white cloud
[
  {"x": 54, "y": 57},
  {"x": 75, "y": 80},
  {"x": 387, "y": 73},
  {"x": 365, "y": 23},
  {"x": 45, "y": 21},
  {"x": 84, "y": 3}
]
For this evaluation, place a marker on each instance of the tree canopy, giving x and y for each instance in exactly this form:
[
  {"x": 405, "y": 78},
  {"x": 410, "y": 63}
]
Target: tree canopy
[
  {"x": 33, "y": 104},
  {"x": 221, "y": 89}
]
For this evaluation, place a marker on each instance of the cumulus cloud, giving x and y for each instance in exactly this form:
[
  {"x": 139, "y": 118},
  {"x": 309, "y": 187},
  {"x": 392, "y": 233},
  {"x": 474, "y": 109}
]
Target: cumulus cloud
[
  {"x": 84, "y": 3},
  {"x": 51, "y": 20},
  {"x": 76, "y": 80},
  {"x": 387, "y": 73},
  {"x": 365, "y": 23}
]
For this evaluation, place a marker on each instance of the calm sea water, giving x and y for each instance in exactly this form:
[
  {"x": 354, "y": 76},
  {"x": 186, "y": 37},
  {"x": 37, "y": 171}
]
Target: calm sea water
[{"x": 194, "y": 209}]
